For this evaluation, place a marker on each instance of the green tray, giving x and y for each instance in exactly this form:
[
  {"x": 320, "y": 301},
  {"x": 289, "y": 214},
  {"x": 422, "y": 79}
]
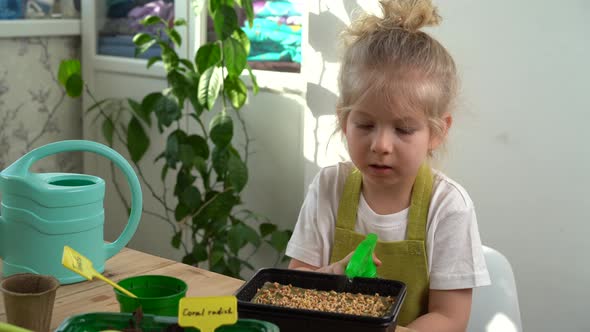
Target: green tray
[{"x": 96, "y": 322}]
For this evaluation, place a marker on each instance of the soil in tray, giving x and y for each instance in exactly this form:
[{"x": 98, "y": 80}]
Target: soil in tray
[{"x": 276, "y": 294}]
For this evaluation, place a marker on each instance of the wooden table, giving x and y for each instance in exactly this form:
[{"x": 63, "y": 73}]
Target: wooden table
[{"x": 97, "y": 296}]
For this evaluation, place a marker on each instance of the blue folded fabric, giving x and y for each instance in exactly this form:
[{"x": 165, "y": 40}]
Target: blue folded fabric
[
  {"x": 127, "y": 51},
  {"x": 123, "y": 46}
]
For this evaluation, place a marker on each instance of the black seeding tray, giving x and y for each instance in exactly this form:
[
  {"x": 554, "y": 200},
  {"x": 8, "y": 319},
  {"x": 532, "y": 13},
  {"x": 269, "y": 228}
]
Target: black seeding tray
[{"x": 298, "y": 320}]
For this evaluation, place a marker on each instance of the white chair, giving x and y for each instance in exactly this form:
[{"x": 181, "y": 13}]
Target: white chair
[{"x": 495, "y": 307}]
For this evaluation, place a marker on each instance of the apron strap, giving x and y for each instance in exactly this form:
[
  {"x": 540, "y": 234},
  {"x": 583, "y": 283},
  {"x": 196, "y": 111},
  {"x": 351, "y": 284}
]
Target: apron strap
[
  {"x": 419, "y": 204},
  {"x": 349, "y": 201}
]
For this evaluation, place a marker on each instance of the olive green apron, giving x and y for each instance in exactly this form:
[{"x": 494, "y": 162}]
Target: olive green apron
[{"x": 402, "y": 260}]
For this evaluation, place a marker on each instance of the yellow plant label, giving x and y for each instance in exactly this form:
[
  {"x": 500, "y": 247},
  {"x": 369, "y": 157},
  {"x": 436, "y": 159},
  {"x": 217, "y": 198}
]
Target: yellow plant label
[
  {"x": 207, "y": 313},
  {"x": 77, "y": 263}
]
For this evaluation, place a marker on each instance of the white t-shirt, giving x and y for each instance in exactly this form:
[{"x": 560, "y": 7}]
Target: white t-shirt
[{"x": 455, "y": 256}]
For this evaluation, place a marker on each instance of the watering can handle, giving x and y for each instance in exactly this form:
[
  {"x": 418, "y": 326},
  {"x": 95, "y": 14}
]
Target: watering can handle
[{"x": 82, "y": 145}]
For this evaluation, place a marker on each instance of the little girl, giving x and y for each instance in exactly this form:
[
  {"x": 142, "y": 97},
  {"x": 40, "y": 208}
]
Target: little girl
[{"x": 397, "y": 88}]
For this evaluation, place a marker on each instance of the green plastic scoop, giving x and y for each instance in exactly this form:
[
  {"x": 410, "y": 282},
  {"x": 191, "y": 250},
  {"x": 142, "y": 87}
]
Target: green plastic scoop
[{"x": 361, "y": 263}]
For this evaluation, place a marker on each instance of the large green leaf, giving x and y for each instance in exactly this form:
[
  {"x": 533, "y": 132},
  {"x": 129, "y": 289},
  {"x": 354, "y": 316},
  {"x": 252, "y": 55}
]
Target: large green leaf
[
  {"x": 199, "y": 145},
  {"x": 181, "y": 211},
  {"x": 186, "y": 154},
  {"x": 142, "y": 38},
  {"x": 219, "y": 158},
  {"x": 251, "y": 235},
  {"x": 142, "y": 113},
  {"x": 201, "y": 167},
  {"x": 220, "y": 204},
  {"x": 179, "y": 22},
  {"x": 174, "y": 36},
  {"x": 184, "y": 179},
  {"x": 241, "y": 36},
  {"x": 137, "y": 140},
  {"x": 239, "y": 235},
  {"x": 236, "y": 90},
  {"x": 234, "y": 265},
  {"x": 176, "y": 239},
  {"x": 267, "y": 228},
  {"x": 178, "y": 82},
  {"x": 188, "y": 259},
  {"x": 167, "y": 110},
  {"x": 172, "y": 148},
  {"x": 140, "y": 49},
  {"x": 188, "y": 64},
  {"x": 209, "y": 86},
  {"x": 225, "y": 21},
  {"x": 192, "y": 85},
  {"x": 74, "y": 85},
  {"x": 237, "y": 172},
  {"x": 221, "y": 129},
  {"x": 212, "y": 6},
  {"x": 234, "y": 56},
  {"x": 164, "y": 172},
  {"x": 199, "y": 252},
  {"x": 68, "y": 68},
  {"x": 169, "y": 56},
  {"x": 208, "y": 55},
  {"x": 236, "y": 238},
  {"x": 153, "y": 60},
  {"x": 148, "y": 103},
  {"x": 248, "y": 8},
  {"x": 216, "y": 256},
  {"x": 279, "y": 240},
  {"x": 191, "y": 197},
  {"x": 152, "y": 20},
  {"x": 108, "y": 129}
]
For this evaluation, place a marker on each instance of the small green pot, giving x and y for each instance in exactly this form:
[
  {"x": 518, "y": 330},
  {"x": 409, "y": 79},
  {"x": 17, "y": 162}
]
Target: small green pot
[{"x": 156, "y": 294}]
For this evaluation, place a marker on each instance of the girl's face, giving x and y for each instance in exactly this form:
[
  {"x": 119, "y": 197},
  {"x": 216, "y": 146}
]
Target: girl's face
[{"x": 388, "y": 144}]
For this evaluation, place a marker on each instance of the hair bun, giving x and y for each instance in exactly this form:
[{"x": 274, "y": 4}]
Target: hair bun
[{"x": 410, "y": 15}]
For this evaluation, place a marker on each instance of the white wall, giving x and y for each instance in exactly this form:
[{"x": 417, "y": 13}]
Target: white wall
[{"x": 518, "y": 142}]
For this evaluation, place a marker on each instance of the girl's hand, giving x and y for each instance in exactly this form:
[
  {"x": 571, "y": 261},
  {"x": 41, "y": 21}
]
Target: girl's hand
[{"x": 339, "y": 266}]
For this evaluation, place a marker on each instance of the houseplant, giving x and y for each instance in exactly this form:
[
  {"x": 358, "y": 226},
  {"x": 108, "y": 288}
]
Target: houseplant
[{"x": 209, "y": 222}]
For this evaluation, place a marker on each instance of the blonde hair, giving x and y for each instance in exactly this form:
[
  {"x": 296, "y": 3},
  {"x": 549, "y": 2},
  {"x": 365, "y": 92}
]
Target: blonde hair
[{"x": 391, "y": 58}]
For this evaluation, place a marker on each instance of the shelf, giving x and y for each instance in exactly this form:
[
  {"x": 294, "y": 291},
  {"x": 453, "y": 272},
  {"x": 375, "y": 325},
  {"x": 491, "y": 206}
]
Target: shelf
[{"x": 39, "y": 27}]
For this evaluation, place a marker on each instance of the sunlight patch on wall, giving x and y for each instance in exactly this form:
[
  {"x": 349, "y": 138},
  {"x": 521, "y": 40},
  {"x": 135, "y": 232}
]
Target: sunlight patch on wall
[
  {"x": 501, "y": 322},
  {"x": 321, "y": 145}
]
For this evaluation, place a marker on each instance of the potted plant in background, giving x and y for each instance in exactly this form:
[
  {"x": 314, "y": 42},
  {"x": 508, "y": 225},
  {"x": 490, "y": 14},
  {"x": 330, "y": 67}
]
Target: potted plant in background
[{"x": 209, "y": 221}]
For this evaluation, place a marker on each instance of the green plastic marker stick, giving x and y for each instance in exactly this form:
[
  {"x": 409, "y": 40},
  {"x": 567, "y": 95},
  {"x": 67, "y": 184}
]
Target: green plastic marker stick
[
  {"x": 74, "y": 261},
  {"x": 361, "y": 263}
]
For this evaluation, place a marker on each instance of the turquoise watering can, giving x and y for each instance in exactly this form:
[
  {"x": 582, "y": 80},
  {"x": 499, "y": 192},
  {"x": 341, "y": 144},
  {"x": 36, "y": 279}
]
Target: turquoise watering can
[{"x": 41, "y": 213}]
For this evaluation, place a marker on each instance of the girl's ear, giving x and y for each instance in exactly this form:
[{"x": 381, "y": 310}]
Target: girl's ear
[{"x": 437, "y": 140}]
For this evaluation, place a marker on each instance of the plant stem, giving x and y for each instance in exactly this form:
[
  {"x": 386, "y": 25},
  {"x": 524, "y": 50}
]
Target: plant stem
[{"x": 247, "y": 138}]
